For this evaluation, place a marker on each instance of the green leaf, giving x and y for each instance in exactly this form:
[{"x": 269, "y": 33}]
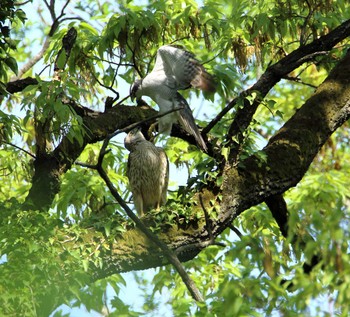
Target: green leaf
[
  {"x": 21, "y": 15},
  {"x": 85, "y": 263},
  {"x": 225, "y": 152},
  {"x": 279, "y": 114},
  {"x": 61, "y": 60},
  {"x": 11, "y": 62}
]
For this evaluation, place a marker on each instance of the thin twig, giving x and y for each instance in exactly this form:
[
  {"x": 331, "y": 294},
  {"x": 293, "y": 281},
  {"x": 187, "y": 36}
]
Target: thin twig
[
  {"x": 299, "y": 81},
  {"x": 105, "y": 86},
  {"x": 219, "y": 116},
  {"x": 72, "y": 18},
  {"x": 54, "y": 26},
  {"x": 32, "y": 61},
  {"x": 213, "y": 58},
  {"x": 51, "y": 8},
  {"x": 134, "y": 60},
  {"x": 82, "y": 164},
  {"x": 121, "y": 101},
  {"x": 63, "y": 8},
  {"x": 303, "y": 35},
  {"x": 235, "y": 230},
  {"x": 21, "y": 149}
]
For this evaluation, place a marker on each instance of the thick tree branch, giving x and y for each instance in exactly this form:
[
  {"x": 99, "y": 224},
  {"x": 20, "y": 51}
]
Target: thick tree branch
[
  {"x": 279, "y": 210},
  {"x": 20, "y": 84},
  {"x": 290, "y": 152},
  {"x": 32, "y": 61}
]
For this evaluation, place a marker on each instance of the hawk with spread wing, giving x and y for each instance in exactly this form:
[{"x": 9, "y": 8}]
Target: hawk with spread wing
[
  {"x": 175, "y": 69},
  {"x": 148, "y": 172}
]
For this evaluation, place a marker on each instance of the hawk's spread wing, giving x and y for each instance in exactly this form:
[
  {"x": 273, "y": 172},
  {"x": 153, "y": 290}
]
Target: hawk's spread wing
[
  {"x": 181, "y": 69},
  {"x": 174, "y": 69}
]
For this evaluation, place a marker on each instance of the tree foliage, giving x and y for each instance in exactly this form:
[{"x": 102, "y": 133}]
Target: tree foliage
[{"x": 262, "y": 225}]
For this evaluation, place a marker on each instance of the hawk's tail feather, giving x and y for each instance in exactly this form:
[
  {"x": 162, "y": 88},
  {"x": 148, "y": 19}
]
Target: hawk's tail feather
[{"x": 187, "y": 122}]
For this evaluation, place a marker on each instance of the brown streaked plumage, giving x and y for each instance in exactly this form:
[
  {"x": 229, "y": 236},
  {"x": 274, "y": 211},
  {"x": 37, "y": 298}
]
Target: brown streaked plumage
[{"x": 148, "y": 172}]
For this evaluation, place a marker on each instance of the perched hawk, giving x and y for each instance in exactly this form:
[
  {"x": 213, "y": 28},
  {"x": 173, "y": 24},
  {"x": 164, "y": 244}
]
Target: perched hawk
[
  {"x": 148, "y": 172},
  {"x": 175, "y": 69}
]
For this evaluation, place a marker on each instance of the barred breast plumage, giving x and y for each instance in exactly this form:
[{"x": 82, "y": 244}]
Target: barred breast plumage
[{"x": 148, "y": 172}]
